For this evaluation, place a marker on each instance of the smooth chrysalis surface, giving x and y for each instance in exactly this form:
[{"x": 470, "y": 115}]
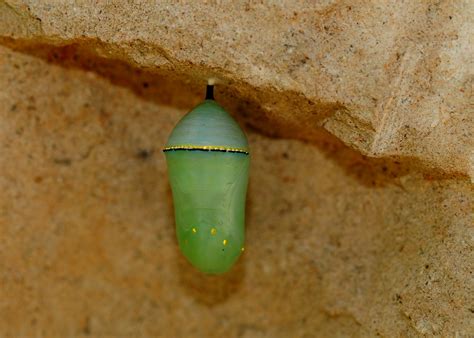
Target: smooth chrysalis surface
[{"x": 208, "y": 163}]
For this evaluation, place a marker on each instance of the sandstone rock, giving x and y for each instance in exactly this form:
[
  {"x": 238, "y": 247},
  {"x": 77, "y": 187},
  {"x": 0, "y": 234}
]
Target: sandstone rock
[
  {"x": 338, "y": 243},
  {"x": 389, "y": 79},
  {"x": 88, "y": 245}
]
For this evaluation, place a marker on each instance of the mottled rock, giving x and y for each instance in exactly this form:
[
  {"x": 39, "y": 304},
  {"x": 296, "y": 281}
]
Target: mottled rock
[
  {"x": 390, "y": 79},
  {"x": 359, "y": 216},
  {"x": 88, "y": 245}
]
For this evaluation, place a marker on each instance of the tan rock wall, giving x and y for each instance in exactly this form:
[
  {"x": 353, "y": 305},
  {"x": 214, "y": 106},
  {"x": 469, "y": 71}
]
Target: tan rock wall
[
  {"x": 88, "y": 245},
  {"x": 391, "y": 79},
  {"x": 338, "y": 244}
]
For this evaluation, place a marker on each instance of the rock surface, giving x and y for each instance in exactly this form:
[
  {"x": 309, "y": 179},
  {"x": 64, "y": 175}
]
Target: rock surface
[
  {"x": 338, "y": 244},
  {"x": 390, "y": 79}
]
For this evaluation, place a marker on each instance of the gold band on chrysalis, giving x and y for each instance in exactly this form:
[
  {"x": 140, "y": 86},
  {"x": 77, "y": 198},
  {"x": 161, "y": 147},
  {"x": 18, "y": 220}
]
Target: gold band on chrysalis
[{"x": 207, "y": 148}]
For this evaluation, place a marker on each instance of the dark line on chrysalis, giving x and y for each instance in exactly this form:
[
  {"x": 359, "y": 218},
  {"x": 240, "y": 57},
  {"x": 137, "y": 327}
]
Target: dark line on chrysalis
[
  {"x": 208, "y": 150},
  {"x": 210, "y": 92}
]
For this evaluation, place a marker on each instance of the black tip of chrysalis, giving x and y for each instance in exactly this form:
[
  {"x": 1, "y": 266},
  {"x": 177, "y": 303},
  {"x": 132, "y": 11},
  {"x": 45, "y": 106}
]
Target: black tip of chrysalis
[{"x": 210, "y": 92}]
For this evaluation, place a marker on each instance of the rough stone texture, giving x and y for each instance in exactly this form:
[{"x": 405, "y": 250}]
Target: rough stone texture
[
  {"x": 88, "y": 246},
  {"x": 389, "y": 78},
  {"x": 338, "y": 244}
]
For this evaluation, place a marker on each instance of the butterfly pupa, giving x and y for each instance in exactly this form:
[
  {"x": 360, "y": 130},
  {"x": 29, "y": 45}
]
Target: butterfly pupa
[{"x": 208, "y": 162}]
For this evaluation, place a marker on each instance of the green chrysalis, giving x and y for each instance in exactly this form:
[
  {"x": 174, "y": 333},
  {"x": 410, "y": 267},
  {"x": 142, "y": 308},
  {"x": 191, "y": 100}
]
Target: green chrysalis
[{"x": 208, "y": 162}]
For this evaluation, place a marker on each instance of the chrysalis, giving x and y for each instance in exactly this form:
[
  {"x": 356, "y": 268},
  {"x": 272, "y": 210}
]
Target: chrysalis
[{"x": 208, "y": 162}]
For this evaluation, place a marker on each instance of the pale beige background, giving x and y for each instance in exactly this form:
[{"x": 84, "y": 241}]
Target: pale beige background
[{"x": 338, "y": 244}]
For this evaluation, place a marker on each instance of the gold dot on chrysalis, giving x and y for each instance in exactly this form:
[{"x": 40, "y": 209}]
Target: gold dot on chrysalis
[
  {"x": 213, "y": 231},
  {"x": 194, "y": 230},
  {"x": 242, "y": 249},
  {"x": 224, "y": 242}
]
